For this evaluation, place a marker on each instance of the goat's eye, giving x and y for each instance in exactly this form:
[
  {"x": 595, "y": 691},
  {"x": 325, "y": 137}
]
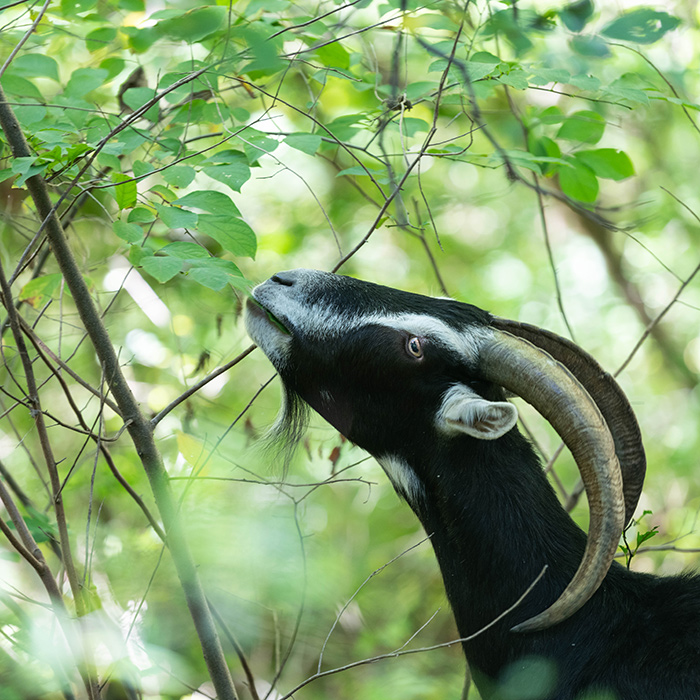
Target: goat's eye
[{"x": 414, "y": 348}]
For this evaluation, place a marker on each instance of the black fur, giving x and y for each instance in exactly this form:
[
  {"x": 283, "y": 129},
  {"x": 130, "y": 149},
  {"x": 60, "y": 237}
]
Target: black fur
[{"x": 493, "y": 517}]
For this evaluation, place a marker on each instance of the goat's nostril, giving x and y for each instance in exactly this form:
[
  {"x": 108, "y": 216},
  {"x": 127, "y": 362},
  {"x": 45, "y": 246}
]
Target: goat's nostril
[{"x": 283, "y": 278}]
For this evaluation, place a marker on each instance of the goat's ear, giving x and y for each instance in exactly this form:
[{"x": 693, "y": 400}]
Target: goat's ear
[{"x": 464, "y": 411}]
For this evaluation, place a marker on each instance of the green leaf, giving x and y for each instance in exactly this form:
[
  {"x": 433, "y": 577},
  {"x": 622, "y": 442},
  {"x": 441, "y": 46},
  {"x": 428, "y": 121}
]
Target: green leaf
[
  {"x": 234, "y": 175},
  {"x": 306, "y": 143},
  {"x": 195, "y": 25},
  {"x": 412, "y": 126},
  {"x": 141, "y": 38},
  {"x": 642, "y": 25},
  {"x": 210, "y": 201},
  {"x": 100, "y": 38},
  {"x": 131, "y": 139},
  {"x": 108, "y": 160},
  {"x": 477, "y": 70},
  {"x": 419, "y": 89},
  {"x": 162, "y": 268},
  {"x": 26, "y": 168},
  {"x": 20, "y": 87},
  {"x": 608, "y": 163},
  {"x": 345, "y": 127},
  {"x": 175, "y": 217},
  {"x": 31, "y": 116},
  {"x": 552, "y": 115},
  {"x": 629, "y": 87},
  {"x": 141, "y": 215},
  {"x": 38, "y": 291},
  {"x": 544, "y": 76},
  {"x": 227, "y": 265},
  {"x": 590, "y": 46},
  {"x": 523, "y": 159},
  {"x": 677, "y": 101},
  {"x": 333, "y": 56},
  {"x": 125, "y": 194},
  {"x": 584, "y": 126},
  {"x": 547, "y": 152},
  {"x": 141, "y": 168},
  {"x": 264, "y": 50},
  {"x": 35, "y": 65},
  {"x": 515, "y": 31},
  {"x": 137, "y": 97},
  {"x": 129, "y": 232},
  {"x": 358, "y": 170},
  {"x": 267, "y": 6},
  {"x": 186, "y": 250},
  {"x": 85, "y": 80},
  {"x": 515, "y": 79},
  {"x": 76, "y": 151},
  {"x": 578, "y": 181},
  {"x": 576, "y": 15},
  {"x": 179, "y": 175},
  {"x": 485, "y": 57},
  {"x": 233, "y": 235},
  {"x": 164, "y": 193},
  {"x": 257, "y": 144},
  {"x": 40, "y": 526},
  {"x": 113, "y": 65},
  {"x": 72, "y": 7},
  {"x": 642, "y": 537},
  {"x": 211, "y": 277},
  {"x": 585, "y": 82},
  {"x": 137, "y": 254}
]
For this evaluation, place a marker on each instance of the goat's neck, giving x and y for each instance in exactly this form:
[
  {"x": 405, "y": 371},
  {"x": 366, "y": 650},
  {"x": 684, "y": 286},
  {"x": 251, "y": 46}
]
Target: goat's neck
[{"x": 495, "y": 522}]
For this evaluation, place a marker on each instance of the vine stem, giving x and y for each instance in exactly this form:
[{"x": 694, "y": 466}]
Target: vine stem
[{"x": 137, "y": 425}]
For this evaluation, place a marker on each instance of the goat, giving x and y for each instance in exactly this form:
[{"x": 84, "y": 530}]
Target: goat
[{"x": 420, "y": 383}]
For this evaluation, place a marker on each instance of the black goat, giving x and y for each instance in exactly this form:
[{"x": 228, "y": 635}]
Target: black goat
[{"x": 419, "y": 383}]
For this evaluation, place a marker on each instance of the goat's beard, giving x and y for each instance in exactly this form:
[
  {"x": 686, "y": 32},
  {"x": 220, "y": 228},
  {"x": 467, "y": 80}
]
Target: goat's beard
[{"x": 290, "y": 426}]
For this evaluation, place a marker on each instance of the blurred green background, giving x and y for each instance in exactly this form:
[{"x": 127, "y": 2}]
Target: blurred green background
[{"x": 549, "y": 173}]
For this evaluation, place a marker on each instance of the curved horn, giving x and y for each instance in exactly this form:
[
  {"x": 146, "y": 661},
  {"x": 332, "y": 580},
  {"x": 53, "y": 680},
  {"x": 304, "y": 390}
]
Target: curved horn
[
  {"x": 607, "y": 394},
  {"x": 546, "y": 384}
]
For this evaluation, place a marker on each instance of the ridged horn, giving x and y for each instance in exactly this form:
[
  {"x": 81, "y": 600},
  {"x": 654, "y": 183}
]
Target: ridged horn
[
  {"x": 533, "y": 374},
  {"x": 607, "y": 394}
]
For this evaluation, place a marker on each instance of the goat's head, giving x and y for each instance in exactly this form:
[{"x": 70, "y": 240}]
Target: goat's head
[{"x": 395, "y": 372}]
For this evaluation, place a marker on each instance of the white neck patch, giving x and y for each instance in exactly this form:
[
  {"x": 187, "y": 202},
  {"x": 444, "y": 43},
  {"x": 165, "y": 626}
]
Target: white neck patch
[{"x": 403, "y": 478}]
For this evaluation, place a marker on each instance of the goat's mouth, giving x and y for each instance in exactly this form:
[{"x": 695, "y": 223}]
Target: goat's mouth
[{"x": 256, "y": 309}]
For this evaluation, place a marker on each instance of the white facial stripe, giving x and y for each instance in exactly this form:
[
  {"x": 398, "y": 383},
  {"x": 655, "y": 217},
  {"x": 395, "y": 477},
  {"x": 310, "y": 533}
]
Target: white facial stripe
[
  {"x": 465, "y": 342},
  {"x": 402, "y": 477},
  {"x": 326, "y": 322}
]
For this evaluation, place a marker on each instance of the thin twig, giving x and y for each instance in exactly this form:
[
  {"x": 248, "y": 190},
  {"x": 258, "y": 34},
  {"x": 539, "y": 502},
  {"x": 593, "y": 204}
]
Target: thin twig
[
  {"x": 655, "y": 321},
  {"x": 552, "y": 263},
  {"x": 356, "y": 593},
  {"x": 315, "y": 19},
  {"x": 405, "y": 652},
  {"x": 196, "y": 387}
]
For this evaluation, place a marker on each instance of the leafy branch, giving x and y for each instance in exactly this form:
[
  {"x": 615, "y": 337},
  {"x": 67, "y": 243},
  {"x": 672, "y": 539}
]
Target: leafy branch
[{"x": 137, "y": 425}]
